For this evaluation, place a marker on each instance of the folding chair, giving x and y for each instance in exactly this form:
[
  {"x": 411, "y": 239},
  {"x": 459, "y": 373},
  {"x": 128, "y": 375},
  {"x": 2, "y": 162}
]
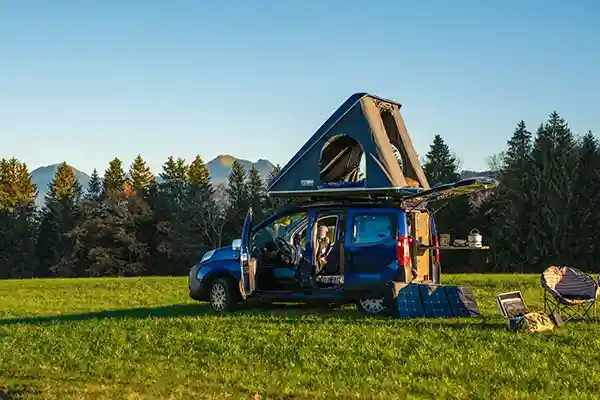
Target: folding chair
[{"x": 568, "y": 291}]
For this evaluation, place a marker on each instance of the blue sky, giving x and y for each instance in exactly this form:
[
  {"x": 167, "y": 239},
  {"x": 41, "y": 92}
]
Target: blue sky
[{"x": 87, "y": 81}]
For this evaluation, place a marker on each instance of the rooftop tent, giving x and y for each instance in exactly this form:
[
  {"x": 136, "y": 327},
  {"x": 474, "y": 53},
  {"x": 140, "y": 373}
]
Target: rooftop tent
[{"x": 363, "y": 147}]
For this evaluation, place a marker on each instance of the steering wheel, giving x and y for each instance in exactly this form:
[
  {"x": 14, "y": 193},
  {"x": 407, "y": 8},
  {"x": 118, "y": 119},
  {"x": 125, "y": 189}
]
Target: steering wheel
[{"x": 287, "y": 252}]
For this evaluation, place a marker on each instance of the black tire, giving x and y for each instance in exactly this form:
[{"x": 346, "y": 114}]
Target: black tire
[
  {"x": 222, "y": 295},
  {"x": 371, "y": 306}
]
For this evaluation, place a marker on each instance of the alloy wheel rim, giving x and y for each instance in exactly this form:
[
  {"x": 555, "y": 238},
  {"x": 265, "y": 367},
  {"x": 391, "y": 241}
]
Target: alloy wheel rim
[
  {"x": 372, "y": 306},
  {"x": 218, "y": 297}
]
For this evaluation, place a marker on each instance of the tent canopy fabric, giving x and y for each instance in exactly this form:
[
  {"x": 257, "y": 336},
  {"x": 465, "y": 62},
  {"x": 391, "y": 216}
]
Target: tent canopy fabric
[{"x": 363, "y": 146}]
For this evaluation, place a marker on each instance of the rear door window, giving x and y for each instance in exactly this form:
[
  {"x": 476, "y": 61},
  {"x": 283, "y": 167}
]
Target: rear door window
[{"x": 373, "y": 227}]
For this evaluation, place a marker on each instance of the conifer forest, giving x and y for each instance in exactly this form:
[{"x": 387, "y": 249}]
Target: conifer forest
[{"x": 129, "y": 223}]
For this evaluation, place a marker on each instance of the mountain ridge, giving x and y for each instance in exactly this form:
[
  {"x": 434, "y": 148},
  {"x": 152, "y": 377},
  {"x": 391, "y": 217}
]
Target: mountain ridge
[{"x": 219, "y": 169}]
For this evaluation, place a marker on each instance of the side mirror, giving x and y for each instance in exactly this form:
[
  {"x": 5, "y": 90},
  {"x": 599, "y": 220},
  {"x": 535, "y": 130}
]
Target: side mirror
[{"x": 236, "y": 245}]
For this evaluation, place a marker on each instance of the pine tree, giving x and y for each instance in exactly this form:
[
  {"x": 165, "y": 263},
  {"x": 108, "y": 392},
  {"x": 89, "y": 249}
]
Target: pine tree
[
  {"x": 510, "y": 227},
  {"x": 198, "y": 173},
  {"x": 174, "y": 179},
  {"x": 237, "y": 190},
  {"x": 441, "y": 167},
  {"x": 17, "y": 220},
  {"x": 141, "y": 177},
  {"x": 16, "y": 188},
  {"x": 554, "y": 159},
  {"x": 271, "y": 203},
  {"x": 256, "y": 193},
  {"x": 273, "y": 174},
  {"x": 58, "y": 218},
  {"x": 114, "y": 178},
  {"x": 587, "y": 202},
  {"x": 168, "y": 203},
  {"x": 94, "y": 189},
  {"x": 237, "y": 199},
  {"x": 203, "y": 215}
]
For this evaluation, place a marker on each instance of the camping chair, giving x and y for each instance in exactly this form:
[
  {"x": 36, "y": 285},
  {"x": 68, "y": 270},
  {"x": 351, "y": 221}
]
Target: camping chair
[{"x": 568, "y": 291}]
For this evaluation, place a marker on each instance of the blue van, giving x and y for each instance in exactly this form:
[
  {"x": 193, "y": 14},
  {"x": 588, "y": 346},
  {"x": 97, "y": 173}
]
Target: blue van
[{"x": 366, "y": 244}]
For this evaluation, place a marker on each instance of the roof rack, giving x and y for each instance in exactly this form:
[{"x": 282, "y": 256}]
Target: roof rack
[{"x": 396, "y": 193}]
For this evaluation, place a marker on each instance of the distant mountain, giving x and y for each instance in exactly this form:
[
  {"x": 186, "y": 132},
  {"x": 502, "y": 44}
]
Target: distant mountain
[
  {"x": 220, "y": 167},
  {"x": 42, "y": 177}
]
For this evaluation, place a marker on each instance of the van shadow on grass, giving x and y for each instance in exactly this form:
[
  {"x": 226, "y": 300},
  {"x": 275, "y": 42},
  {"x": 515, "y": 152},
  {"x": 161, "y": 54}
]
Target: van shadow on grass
[
  {"x": 303, "y": 314},
  {"x": 178, "y": 311}
]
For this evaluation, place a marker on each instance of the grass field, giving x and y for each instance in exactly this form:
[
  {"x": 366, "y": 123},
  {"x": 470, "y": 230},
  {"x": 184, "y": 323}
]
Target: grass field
[{"x": 144, "y": 339}]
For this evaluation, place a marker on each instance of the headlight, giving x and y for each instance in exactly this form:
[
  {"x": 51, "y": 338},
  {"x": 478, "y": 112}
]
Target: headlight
[{"x": 207, "y": 256}]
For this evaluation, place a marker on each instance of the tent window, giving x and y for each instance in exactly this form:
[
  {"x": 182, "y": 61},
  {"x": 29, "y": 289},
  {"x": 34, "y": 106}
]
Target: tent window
[
  {"x": 342, "y": 160},
  {"x": 394, "y": 135}
]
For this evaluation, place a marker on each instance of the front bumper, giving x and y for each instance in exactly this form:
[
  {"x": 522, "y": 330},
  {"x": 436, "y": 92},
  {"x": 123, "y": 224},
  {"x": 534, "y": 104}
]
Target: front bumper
[{"x": 197, "y": 290}]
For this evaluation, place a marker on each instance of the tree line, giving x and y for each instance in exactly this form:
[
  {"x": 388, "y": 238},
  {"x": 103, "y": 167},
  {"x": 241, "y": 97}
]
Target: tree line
[
  {"x": 129, "y": 223},
  {"x": 126, "y": 224}
]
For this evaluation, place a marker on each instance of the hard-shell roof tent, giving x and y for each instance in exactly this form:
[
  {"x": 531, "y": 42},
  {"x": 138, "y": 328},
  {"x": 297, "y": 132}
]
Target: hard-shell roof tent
[
  {"x": 363, "y": 146},
  {"x": 363, "y": 149}
]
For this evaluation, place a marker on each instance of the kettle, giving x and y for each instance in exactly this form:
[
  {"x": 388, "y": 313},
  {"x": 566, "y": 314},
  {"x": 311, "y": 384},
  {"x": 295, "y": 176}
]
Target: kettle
[{"x": 474, "y": 238}]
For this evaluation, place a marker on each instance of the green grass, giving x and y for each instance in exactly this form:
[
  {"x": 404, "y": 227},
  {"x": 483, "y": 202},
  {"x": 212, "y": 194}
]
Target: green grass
[{"x": 145, "y": 339}]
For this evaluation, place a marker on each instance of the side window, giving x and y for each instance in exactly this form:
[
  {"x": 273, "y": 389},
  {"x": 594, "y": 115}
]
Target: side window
[
  {"x": 302, "y": 238},
  {"x": 331, "y": 222},
  {"x": 278, "y": 228},
  {"x": 282, "y": 224},
  {"x": 371, "y": 228}
]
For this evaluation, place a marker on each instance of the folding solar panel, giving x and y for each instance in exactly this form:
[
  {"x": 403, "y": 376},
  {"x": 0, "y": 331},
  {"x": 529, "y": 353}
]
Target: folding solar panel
[
  {"x": 511, "y": 304},
  {"x": 461, "y": 300},
  {"x": 435, "y": 302},
  {"x": 407, "y": 302}
]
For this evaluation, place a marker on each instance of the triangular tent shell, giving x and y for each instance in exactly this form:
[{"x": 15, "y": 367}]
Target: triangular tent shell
[{"x": 363, "y": 147}]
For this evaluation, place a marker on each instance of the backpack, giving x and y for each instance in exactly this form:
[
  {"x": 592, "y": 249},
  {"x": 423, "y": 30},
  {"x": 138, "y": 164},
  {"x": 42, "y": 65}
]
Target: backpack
[{"x": 534, "y": 322}]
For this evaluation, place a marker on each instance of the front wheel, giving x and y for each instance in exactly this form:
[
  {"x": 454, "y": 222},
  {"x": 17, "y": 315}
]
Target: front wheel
[
  {"x": 371, "y": 306},
  {"x": 222, "y": 295}
]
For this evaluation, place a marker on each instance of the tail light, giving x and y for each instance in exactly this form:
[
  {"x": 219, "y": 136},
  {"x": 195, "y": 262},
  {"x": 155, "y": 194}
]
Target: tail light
[
  {"x": 437, "y": 249},
  {"x": 404, "y": 250}
]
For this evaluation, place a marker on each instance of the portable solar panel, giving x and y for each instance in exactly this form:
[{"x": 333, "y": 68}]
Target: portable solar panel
[
  {"x": 435, "y": 302},
  {"x": 511, "y": 304},
  {"x": 405, "y": 301},
  {"x": 461, "y": 300}
]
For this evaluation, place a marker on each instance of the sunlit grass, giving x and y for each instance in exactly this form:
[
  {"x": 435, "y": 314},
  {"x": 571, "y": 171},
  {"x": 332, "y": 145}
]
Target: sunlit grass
[{"x": 145, "y": 339}]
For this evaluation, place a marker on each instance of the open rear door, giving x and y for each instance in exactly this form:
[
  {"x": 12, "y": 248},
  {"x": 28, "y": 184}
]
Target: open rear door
[
  {"x": 247, "y": 263},
  {"x": 449, "y": 190},
  {"x": 425, "y": 245}
]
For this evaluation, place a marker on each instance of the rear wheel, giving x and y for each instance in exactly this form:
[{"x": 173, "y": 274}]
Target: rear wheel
[
  {"x": 222, "y": 295},
  {"x": 371, "y": 306}
]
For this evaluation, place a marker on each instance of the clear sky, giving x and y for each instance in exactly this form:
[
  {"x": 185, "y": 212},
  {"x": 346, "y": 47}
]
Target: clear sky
[{"x": 84, "y": 81}]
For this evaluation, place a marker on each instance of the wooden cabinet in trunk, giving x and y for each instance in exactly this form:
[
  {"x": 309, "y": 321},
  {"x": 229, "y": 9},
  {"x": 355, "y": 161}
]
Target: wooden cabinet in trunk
[{"x": 420, "y": 230}]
